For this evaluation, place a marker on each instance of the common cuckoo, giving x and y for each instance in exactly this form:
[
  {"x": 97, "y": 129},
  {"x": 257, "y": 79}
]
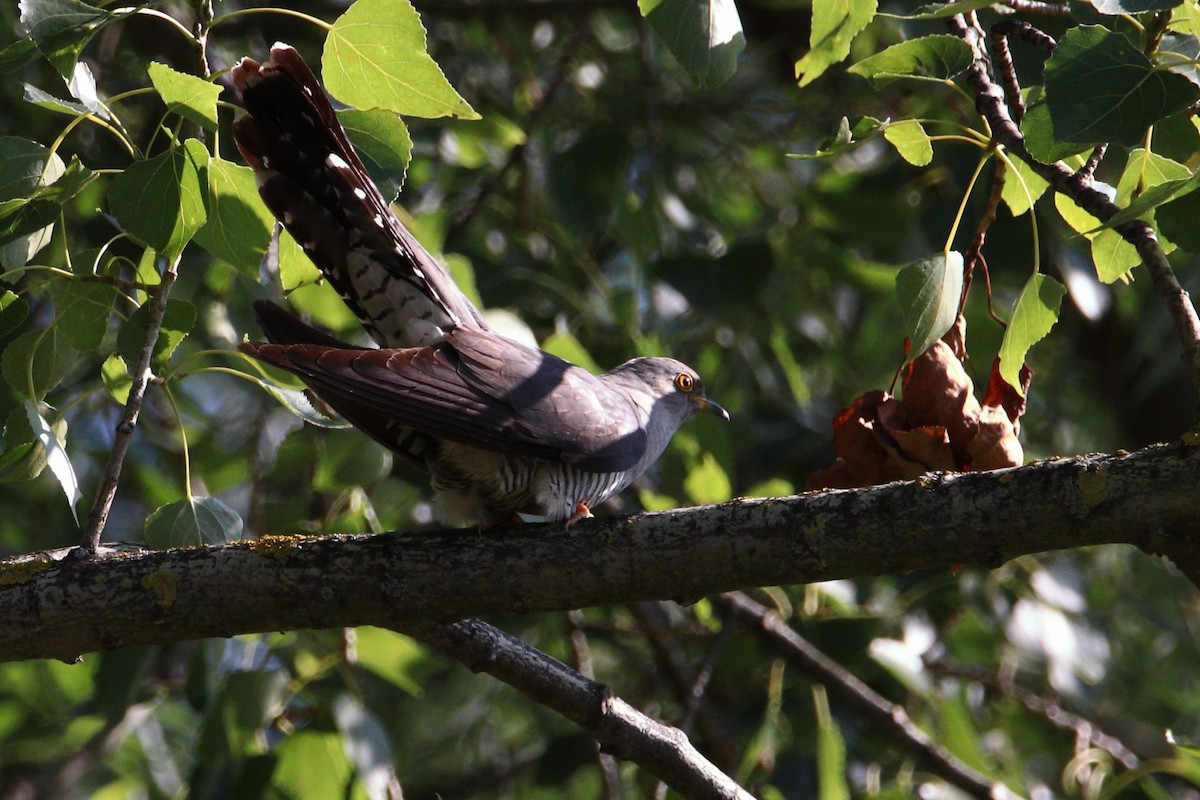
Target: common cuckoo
[{"x": 504, "y": 429}]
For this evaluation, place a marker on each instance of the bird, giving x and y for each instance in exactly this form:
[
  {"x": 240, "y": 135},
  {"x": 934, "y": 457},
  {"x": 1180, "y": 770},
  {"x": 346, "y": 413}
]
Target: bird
[{"x": 507, "y": 432}]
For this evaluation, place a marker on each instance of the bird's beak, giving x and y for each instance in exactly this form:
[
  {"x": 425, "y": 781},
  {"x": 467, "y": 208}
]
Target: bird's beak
[{"x": 706, "y": 406}]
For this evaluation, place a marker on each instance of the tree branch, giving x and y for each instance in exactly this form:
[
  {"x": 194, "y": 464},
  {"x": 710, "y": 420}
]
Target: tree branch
[
  {"x": 61, "y": 608},
  {"x": 890, "y": 718},
  {"x": 990, "y": 102},
  {"x": 621, "y": 729},
  {"x": 98, "y": 516}
]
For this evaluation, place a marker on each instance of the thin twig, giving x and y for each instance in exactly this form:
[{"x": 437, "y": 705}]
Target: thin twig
[
  {"x": 890, "y": 718},
  {"x": 621, "y": 729},
  {"x": 133, "y": 407},
  {"x": 989, "y": 100},
  {"x": 1049, "y": 708},
  {"x": 610, "y": 773},
  {"x": 1085, "y": 173}
]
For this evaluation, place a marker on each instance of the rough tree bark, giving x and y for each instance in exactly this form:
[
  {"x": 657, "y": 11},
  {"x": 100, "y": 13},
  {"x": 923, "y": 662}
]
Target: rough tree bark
[{"x": 63, "y": 608}]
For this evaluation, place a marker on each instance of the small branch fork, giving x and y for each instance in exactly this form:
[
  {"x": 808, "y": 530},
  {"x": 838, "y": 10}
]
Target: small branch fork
[
  {"x": 620, "y": 729},
  {"x": 891, "y": 718},
  {"x": 993, "y": 104}
]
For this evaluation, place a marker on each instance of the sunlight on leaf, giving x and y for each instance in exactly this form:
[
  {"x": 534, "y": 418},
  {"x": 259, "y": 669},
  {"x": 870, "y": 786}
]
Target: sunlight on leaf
[{"x": 376, "y": 57}]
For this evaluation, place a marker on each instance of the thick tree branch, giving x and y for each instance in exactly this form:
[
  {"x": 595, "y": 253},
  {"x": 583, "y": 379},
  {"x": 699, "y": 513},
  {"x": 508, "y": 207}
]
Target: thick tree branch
[
  {"x": 61, "y": 609},
  {"x": 621, "y": 729}
]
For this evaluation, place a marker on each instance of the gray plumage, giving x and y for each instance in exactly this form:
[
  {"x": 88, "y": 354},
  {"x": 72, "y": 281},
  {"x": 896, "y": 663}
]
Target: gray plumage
[{"x": 503, "y": 429}]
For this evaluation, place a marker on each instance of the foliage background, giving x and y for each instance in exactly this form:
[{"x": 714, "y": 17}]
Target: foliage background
[{"x": 617, "y": 209}]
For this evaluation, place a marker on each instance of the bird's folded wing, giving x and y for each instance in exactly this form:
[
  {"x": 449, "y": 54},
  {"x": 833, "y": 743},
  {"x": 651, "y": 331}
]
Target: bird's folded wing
[{"x": 553, "y": 414}]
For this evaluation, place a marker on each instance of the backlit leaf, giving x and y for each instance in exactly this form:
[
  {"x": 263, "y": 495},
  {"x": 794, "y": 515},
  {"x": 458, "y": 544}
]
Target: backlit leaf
[
  {"x": 929, "y": 292},
  {"x": 1033, "y": 316},
  {"x": 375, "y": 57},
  {"x": 192, "y": 522}
]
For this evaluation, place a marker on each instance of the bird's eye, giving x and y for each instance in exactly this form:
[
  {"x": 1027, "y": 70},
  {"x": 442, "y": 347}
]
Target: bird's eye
[{"x": 684, "y": 382}]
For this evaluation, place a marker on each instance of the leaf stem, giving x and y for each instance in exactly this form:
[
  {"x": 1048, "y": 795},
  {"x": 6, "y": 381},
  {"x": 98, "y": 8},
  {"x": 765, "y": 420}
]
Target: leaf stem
[{"x": 287, "y": 12}]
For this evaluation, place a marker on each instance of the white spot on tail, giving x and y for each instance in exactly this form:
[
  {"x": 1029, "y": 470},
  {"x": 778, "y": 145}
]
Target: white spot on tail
[
  {"x": 359, "y": 193},
  {"x": 336, "y": 161},
  {"x": 378, "y": 220}
]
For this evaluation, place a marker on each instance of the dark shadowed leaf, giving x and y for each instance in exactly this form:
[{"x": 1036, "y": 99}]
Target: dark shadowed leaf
[
  {"x": 929, "y": 291},
  {"x": 705, "y": 36},
  {"x": 1101, "y": 88},
  {"x": 188, "y": 523},
  {"x": 238, "y": 228},
  {"x": 178, "y": 320},
  {"x": 161, "y": 201},
  {"x": 382, "y": 141}
]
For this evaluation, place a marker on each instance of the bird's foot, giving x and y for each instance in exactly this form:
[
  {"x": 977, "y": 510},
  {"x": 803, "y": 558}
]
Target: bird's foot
[{"x": 581, "y": 512}]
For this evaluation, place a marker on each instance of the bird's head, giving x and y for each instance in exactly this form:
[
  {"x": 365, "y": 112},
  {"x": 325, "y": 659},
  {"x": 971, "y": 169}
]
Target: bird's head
[{"x": 668, "y": 387}]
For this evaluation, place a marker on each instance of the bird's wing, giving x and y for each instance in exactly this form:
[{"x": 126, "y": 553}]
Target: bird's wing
[
  {"x": 475, "y": 388},
  {"x": 315, "y": 184}
]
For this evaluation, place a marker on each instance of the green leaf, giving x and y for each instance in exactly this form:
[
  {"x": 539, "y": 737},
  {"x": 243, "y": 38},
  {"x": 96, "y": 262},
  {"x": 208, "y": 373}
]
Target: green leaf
[
  {"x": 83, "y": 308},
  {"x": 911, "y": 141},
  {"x": 61, "y": 28},
  {"x": 296, "y": 269},
  {"x": 942, "y": 10},
  {"x": 116, "y": 378},
  {"x": 1113, "y": 256},
  {"x": 1102, "y": 88},
  {"x": 188, "y": 96},
  {"x": 705, "y": 36},
  {"x": 22, "y": 163},
  {"x": 238, "y": 228},
  {"x": 375, "y": 57},
  {"x": 1149, "y": 200},
  {"x": 24, "y": 457},
  {"x": 936, "y": 58},
  {"x": 1033, "y": 317},
  {"x": 1022, "y": 186},
  {"x": 392, "y": 656},
  {"x": 312, "y": 764},
  {"x": 350, "y": 459},
  {"x": 382, "y": 141},
  {"x": 1039, "y": 132},
  {"x": 1177, "y": 221},
  {"x": 929, "y": 292},
  {"x": 25, "y": 216},
  {"x": 161, "y": 201},
  {"x": 846, "y": 137},
  {"x": 178, "y": 320},
  {"x": 1144, "y": 170},
  {"x": 17, "y": 55},
  {"x": 831, "y": 752},
  {"x": 53, "y": 441},
  {"x": 706, "y": 483},
  {"x": 35, "y": 96},
  {"x": 297, "y": 402},
  {"x": 13, "y": 310},
  {"x": 36, "y": 362},
  {"x": 192, "y": 522},
  {"x": 835, "y": 23}
]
